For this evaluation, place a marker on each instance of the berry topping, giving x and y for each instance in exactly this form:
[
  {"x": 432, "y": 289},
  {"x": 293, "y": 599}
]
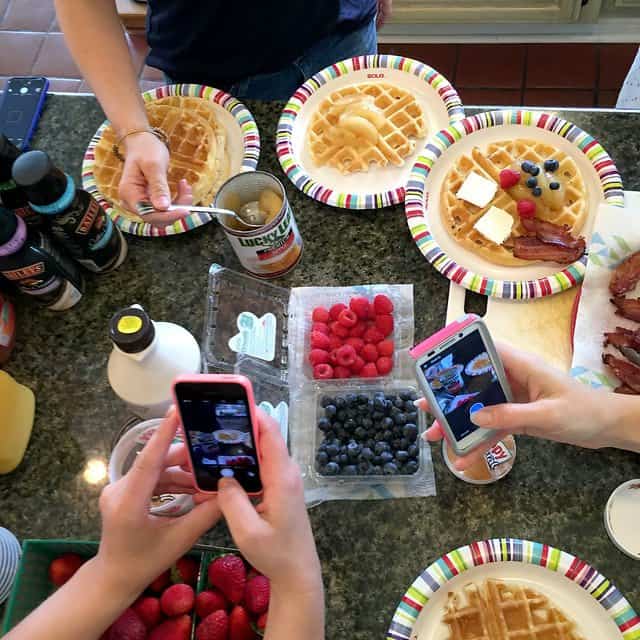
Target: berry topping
[
  {"x": 358, "y": 330},
  {"x": 369, "y": 353},
  {"x": 527, "y": 166},
  {"x": 357, "y": 365},
  {"x": 369, "y": 370},
  {"x": 536, "y": 191},
  {"x": 341, "y": 372},
  {"x": 532, "y": 182},
  {"x": 360, "y": 306},
  {"x": 346, "y": 355},
  {"x": 323, "y": 372},
  {"x": 382, "y": 304},
  {"x": 318, "y": 356},
  {"x": 509, "y": 178},
  {"x": 526, "y": 208},
  {"x": 384, "y": 365},
  {"x": 535, "y": 170},
  {"x": 373, "y": 334},
  {"x": 385, "y": 348},
  {"x": 335, "y": 310},
  {"x": 356, "y": 343},
  {"x": 384, "y": 324},
  {"x": 554, "y": 186},
  {"x": 320, "y": 314},
  {"x": 338, "y": 330},
  {"x": 348, "y": 318},
  {"x": 551, "y": 165},
  {"x": 319, "y": 340},
  {"x": 321, "y": 327},
  {"x": 335, "y": 342}
]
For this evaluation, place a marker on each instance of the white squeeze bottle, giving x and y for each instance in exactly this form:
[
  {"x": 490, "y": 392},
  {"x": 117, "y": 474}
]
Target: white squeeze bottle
[{"x": 146, "y": 357}]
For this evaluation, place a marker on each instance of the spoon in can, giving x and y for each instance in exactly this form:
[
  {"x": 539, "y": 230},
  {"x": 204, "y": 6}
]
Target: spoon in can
[{"x": 251, "y": 220}]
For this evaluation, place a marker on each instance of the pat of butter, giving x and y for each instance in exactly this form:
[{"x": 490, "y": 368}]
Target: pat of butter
[
  {"x": 477, "y": 190},
  {"x": 495, "y": 225}
]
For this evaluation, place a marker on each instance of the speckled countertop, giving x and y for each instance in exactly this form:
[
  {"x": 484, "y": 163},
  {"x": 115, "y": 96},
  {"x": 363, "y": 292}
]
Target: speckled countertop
[{"x": 371, "y": 551}]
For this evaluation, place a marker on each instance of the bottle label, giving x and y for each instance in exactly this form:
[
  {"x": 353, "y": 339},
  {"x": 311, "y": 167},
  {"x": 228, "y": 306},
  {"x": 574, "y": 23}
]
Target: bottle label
[{"x": 69, "y": 296}]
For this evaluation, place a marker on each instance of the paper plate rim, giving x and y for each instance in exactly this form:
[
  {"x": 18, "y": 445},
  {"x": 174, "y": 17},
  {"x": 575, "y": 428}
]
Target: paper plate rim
[
  {"x": 250, "y": 156},
  {"x": 438, "y": 143},
  {"x": 284, "y": 145},
  {"x": 497, "y": 550}
]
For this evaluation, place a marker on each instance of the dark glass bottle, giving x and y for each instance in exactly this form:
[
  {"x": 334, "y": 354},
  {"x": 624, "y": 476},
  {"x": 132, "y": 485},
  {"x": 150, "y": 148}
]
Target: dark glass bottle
[
  {"x": 76, "y": 220},
  {"x": 37, "y": 268}
]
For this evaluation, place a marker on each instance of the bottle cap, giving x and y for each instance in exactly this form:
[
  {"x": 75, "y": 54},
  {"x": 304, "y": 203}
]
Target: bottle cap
[
  {"x": 621, "y": 517},
  {"x": 131, "y": 330},
  {"x": 8, "y": 154},
  {"x": 39, "y": 178},
  {"x": 8, "y": 225}
]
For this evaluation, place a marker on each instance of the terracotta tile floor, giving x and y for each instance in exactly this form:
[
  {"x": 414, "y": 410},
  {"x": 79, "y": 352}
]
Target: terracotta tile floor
[{"x": 495, "y": 74}]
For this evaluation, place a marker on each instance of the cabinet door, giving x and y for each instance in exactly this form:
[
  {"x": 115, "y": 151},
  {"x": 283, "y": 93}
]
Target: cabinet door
[{"x": 479, "y": 11}]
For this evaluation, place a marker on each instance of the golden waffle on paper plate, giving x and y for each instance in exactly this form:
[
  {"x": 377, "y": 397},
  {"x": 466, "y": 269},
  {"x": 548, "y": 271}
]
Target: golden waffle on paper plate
[
  {"x": 498, "y": 610},
  {"x": 364, "y": 124},
  {"x": 459, "y": 216}
]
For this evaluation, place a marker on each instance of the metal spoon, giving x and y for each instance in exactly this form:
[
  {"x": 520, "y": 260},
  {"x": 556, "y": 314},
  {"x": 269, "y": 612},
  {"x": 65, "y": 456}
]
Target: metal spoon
[{"x": 144, "y": 208}]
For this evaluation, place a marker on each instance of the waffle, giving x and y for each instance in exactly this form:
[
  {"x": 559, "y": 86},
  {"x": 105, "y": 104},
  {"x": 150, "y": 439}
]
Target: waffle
[
  {"x": 338, "y": 137},
  {"x": 459, "y": 216},
  {"x": 505, "y": 611},
  {"x": 192, "y": 147}
]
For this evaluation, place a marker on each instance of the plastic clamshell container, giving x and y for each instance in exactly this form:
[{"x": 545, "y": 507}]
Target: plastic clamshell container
[{"x": 370, "y": 390}]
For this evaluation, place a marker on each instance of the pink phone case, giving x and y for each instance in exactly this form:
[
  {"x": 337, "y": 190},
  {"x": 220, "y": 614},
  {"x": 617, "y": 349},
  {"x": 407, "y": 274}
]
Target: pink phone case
[
  {"x": 218, "y": 378},
  {"x": 422, "y": 347}
]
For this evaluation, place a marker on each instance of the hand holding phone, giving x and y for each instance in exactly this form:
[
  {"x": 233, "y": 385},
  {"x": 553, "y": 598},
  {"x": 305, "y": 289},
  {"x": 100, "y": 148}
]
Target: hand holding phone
[
  {"x": 220, "y": 429},
  {"x": 460, "y": 372}
]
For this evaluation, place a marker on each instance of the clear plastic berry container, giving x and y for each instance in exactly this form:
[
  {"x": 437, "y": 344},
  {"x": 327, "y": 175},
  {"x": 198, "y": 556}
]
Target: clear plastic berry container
[{"x": 366, "y": 433}]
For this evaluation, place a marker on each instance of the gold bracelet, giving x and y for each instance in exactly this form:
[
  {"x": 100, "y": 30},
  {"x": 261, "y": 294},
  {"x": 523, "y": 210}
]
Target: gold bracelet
[{"x": 156, "y": 131}]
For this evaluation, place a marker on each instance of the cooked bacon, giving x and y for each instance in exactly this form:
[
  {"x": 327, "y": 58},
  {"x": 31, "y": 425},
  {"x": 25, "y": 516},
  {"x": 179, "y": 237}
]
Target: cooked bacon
[
  {"x": 626, "y": 372},
  {"x": 532, "y": 248},
  {"x": 627, "y": 308},
  {"x": 552, "y": 233},
  {"x": 622, "y": 337},
  {"x": 626, "y": 390},
  {"x": 626, "y": 275}
]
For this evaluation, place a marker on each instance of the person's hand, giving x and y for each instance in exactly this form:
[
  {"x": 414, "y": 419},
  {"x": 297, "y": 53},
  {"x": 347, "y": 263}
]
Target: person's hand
[
  {"x": 144, "y": 177},
  {"x": 384, "y": 12},
  {"x": 136, "y": 546},
  {"x": 548, "y": 404},
  {"x": 275, "y": 536}
]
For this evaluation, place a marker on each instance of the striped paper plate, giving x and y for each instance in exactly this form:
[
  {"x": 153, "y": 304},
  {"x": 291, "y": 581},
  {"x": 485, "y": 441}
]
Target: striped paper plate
[
  {"x": 422, "y": 201},
  {"x": 243, "y": 147},
  {"x": 381, "y": 186},
  {"x": 591, "y": 600}
]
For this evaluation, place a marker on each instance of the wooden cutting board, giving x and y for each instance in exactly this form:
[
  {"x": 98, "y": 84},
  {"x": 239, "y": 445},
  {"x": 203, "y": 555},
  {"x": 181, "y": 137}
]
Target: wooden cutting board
[{"x": 541, "y": 326}]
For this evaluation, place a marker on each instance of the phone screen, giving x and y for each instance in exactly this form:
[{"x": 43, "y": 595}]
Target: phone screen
[
  {"x": 217, "y": 425},
  {"x": 463, "y": 380},
  {"x": 19, "y": 107}
]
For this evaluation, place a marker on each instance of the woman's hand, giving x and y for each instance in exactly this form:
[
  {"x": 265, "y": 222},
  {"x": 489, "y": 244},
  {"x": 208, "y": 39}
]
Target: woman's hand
[{"x": 137, "y": 546}]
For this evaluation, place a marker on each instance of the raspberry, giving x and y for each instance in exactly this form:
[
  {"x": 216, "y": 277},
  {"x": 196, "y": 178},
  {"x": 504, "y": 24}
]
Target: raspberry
[
  {"x": 356, "y": 343},
  {"x": 374, "y": 335},
  {"x": 348, "y": 318},
  {"x": 526, "y": 208},
  {"x": 320, "y": 314},
  {"x": 384, "y": 365},
  {"x": 369, "y": 370},
  {"x": 369, "y": 353},
  {"x": 358, "y": 330},
  {"x": 382, "y": 304},
  {"x": 318, "y": 356},
  {"x": 335, "y": 310},
  {"x": 323, "y": 372},
  {"x": 321, "y": 327},
  {"x": 360, "y": 306},
  {"x": 384, "y": 324},
  {"x": 341, "y": 372},
  {"x": 333, "y": 357},
  {"x": 346, "y": 355},
  {"x": 357, "y": 365},
  {"x": 335, "y": 342},
  {"x": 319, "y": 340},
  {"x": 385, "y": 348},
  {"x": 339, "y": 330},
  {"x": 509, "y": 178}
]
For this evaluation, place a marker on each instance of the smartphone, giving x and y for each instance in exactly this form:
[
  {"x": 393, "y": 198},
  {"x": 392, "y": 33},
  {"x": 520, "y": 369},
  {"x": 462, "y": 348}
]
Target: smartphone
[
  {"x": 220, "y": 429},
  {"x": 20, "y": 108},
  {"x": 460, "y": 372}
]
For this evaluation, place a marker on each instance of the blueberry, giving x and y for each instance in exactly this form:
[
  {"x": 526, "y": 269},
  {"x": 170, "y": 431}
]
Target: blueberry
[
  {"x": 379, "y": 436},
  {"x": 349, "y": 424},
  {"x": 395, "y": 444},
  {"x": 376, "y": 470},
  {"x": 331, "y": 469},
  {"x": 413, "y": 451},
  {"x": 402, "y": 456},
  {"x": 377, "y": 460},
  {"x": 363, "y": 398},
  {"x": 330, "y": 410},
  {"x": 351, "y": 413},
  {"x": 536, "y": 191},
  {"x": 350, "y": 470},
  {"x": 551, "y": 165},
  {"x": 367, "y": 423},
  {"x": 409, "y": 406},
  {"x": 377, "y": 415},
  {"x": 400, "y": 419},
  {"x": 342, "y": 434},
  {"x": 342, "y": 415},
  {"x": 526, "y": 166},
  {"x": 326, "y": 401},
  {"x": 405, "y": 395},
  {"x": 532, "y": 182},
  {"x": 378, "y": 403},
  {"x": 333, "y": 450},
  {"x": 404, "y": 443},
  {"x": 388, "y": 435},
  {"x": 363, "y": 467},
  {"x": 411, "y": 467},
  {"x": 343, "y": 459},
  {"x": 390, "y": 469},
  {"x": 398, "y": 402},
  {"x": 554, "y": 186},
  {"x": 322, "y": 458},
  {"x": 340, "y": 403},
  {"x": 324, "y": 424},
  {"x": 360, "y": 433},
  {"x": 412, "y": 416},
  {"x": 350, "y": 399},
  {"x": 353, "y": 449},
  {"x": 410, "y": 431},
  {"x": 387, "y": 423},
  {"x": 386, "y": 456},
  {"x": 337, "y": 424},
  {"x": 370, "y": 444},
  {"x": 366, "y": 453},
  {"x": 535, "y": 170}
]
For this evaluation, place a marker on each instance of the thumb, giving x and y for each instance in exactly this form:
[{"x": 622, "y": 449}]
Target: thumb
[
  {"x": 237, "y": 509},
  {"x": 528, "y": 418},
  {"x": 158, "y": 187},
  {"x": 201, "y": 518}
]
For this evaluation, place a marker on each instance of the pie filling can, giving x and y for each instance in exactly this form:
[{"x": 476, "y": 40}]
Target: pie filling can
[{"x": 273, "y": 249}]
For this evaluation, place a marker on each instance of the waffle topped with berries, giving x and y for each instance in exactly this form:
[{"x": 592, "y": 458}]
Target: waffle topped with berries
[{"x": 533, "y": 180}]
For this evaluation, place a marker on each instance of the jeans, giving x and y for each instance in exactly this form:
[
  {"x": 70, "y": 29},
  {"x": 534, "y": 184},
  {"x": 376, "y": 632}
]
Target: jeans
[{"x": 280, "y": 85}]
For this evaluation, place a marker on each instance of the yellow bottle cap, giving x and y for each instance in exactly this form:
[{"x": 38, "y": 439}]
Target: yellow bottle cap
[{"x": 129, "y": 324}]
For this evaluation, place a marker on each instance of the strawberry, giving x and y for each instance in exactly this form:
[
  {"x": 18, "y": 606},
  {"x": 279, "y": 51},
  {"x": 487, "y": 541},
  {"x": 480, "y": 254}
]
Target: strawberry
[
  {"x": 382, "y": 305},
  {"x": 323, "y": 372},
  {"x": 384, "y": 324},
  {"x": 321, "y": 327},
  {"x": 348, "y": 318},
  {"x": 63, "y": 567},
  {"x": 161, "y": 582},
  {"x": 320, "y": 314},
  {"x": 261, "y": 623},
  {"x": 177, "y": 599},
  {"x": 526, "y": 208},
  {"x": 173, "y": 629},
  {"x": 509, "y": 178},
  {"x": 341, "y": 372},
  {"x": 319, "y": 340},
  {"x": 318, "y": 356},
  {"x": 336, "y": 309},
  {"x": 373, "y": 334},
  {"x": 360, "y": 306},
  {"x": 252, "y": 573},
  {"x": 357, "y": 365},
  {"x": 384, "y": 365},
  {"x": 148, "y": 608},
  {"x": 369, "y": 370},
  {"x": 128, "y": 626},
  {"x": 228, "y": 573},
  {"x": 256, "y": 595},
  {"x": 185, "y": 570},
  {"x": 358, "y": 330},
  {"x": 369, "y": 353},
  {"x": 209, "y": 601},
  {"x": 214, "y": 627},
  {"x": 240, "y": 624}
]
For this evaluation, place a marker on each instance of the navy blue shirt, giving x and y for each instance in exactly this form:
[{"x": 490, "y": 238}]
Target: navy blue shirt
[{"x": 219, "y": 42}]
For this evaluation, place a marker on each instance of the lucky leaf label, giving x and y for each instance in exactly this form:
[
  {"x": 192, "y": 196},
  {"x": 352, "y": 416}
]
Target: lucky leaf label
[{"x": 256, "y": 336}]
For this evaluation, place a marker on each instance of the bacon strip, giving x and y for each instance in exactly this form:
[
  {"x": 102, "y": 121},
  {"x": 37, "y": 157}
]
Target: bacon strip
[
  {"x": 627, "y": 308},
  {"x": 626, "y": 372},
  {"x": 551, "y": 233},
  {"x": 622, "y": 337},
  {"x": 626, "y": 275},
  {"x": 532, "y": 248}
]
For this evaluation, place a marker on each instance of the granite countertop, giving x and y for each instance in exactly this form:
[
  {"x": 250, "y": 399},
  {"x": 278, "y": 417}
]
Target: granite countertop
[{"x": 555, "y": 493}]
